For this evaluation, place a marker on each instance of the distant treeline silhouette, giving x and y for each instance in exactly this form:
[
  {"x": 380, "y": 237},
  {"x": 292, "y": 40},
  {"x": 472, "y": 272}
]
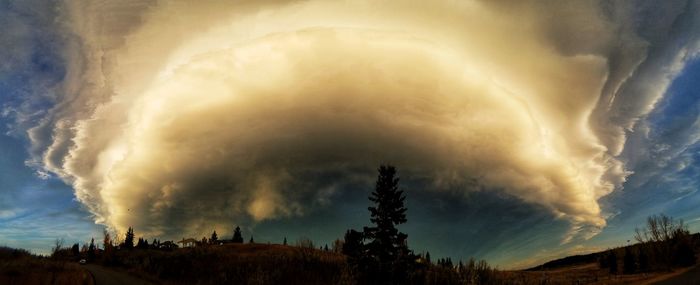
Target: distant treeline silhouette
[
  {"x": 376, "y": 254},
  {"x": 662, "y": 245}
]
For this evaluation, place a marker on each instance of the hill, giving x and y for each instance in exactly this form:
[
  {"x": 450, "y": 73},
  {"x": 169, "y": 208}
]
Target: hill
[
  {"x": 574, "y": 260},
  {"x": 568, "y": 261}
]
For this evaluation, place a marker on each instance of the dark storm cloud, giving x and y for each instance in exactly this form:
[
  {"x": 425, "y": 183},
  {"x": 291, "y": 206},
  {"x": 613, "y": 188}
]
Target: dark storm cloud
[{"x": 180, "y": 118}]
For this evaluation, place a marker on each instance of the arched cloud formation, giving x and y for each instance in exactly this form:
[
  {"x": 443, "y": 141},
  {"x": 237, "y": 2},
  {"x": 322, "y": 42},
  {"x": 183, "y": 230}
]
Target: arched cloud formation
[{"x": 179, "y": 116}]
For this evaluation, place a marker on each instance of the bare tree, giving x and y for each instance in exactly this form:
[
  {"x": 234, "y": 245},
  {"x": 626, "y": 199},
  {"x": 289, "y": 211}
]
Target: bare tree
[
  {"x": 660, "y": 228},
  {"x": 665, "y": 242},
  {"x": 58, "y": 245}
]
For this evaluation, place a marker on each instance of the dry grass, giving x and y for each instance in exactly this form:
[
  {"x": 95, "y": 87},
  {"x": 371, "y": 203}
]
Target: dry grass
[
  {"x": 236, "y": 264},
  {"x": 589, "y": 273},
  {"x": 20, "y": 267}
]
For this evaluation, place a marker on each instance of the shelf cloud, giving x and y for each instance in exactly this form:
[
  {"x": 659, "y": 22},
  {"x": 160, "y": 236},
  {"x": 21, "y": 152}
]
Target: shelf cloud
[{"x": 181, "y": 116}]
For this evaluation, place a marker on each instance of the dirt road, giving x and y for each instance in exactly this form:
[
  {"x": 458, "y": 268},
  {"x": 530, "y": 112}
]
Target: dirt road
[
  {"x": 107, "y": 276},
  {"x": 690, "y": 277}
]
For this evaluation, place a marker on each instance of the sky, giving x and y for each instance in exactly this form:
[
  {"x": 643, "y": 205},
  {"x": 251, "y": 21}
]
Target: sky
[{"x": 522, "y": 130}]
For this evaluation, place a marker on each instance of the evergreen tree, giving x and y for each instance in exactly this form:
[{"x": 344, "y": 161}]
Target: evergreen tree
[
  {"x": 75, "y": 249},
  {"x": 427, "y": 256},
  {"x": 91, "y": 250},
  {"x": 214, "y": 238},
  {"x": 107, "y": 241},
  {"x": 352, "y": 246},
  {"x": 237, "y": 236},
  {"x": 142, "y": 244},
  {"x": 387, "y": 246},
  {"x": 108, "y": 257},
  {"x": 629, "y": 262},
  {"x": 251, "y": 239},
  {"x": 129, "y": 239},
  {"x": 285, "y": 241}
]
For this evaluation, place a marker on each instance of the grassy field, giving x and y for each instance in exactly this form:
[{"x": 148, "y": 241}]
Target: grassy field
[
  {"x": 20, "y": 267},
  {"x": 589, "y": 273},
  {"x": 237, "y": 264},
  {"x": 281, "y": 264}
]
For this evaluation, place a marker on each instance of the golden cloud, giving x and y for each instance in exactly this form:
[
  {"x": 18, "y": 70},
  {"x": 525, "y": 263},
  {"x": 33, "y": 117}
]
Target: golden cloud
[{"x": 186, "y": 115}]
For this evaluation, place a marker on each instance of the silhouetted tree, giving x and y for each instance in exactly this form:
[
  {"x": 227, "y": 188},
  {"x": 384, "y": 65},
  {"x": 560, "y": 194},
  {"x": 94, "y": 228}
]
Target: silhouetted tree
[
  {"x": 427, "y": 256},
  {"x": 214, "y": 238},
  {"x": 445, "y": 262},
  {"x": 629, "y": 261},
  {"x": 75, "y": 249},
  {"x": 237, "y": 236},
  {"x": 91, "y": 250},
  {"x": 683, "y": 251},
  {"x": 643, "y": 260},
  {"x": 325, "y": 248},
  {"x": 612, "y": 262},
  {"x": 352, "y": 246},
  {"x": 108, "y": 256},
  {"x": 284, "y": 242},
  {"x": 354, "y": 250},
  {"x": 387, "y": 246},
  {"x": 668, "y": 241},
  {"x": 58, "y": 246},
  {"x": 251, "y": 239},
  {"x": 107, "y": 240},
  {"x": 142, "y": 243},
  {"x": 129, "y": 238}
]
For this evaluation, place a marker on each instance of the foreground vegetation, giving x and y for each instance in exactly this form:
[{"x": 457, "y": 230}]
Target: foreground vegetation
[
  {"x": 18, "y": 266},
  {"x": 377, "y": 254}
]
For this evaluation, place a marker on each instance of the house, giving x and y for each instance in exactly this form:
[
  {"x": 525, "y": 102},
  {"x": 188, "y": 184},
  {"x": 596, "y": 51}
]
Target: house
[{"x": 190, "y": 242}]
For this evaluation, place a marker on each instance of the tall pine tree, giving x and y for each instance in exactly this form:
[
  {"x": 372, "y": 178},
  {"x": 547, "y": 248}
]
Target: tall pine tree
[
  {"x": 129, "y": 239},
  {"x": 387, "y": 246},
  {"x": 91, "y": 250}
]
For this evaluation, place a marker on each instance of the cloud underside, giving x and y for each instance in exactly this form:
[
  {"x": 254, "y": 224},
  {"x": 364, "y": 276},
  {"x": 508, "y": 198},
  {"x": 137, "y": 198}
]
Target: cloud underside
[{"x": 182, "y": 117}]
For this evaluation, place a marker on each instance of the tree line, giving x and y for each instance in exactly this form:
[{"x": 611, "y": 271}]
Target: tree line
[
  {"x": 664, "y": 243},
  {"x": 379, "y": 252}
]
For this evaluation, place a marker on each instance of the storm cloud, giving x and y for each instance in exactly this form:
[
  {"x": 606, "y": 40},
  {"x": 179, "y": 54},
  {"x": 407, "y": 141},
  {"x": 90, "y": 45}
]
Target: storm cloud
[{"x": 182, "y": 116}]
